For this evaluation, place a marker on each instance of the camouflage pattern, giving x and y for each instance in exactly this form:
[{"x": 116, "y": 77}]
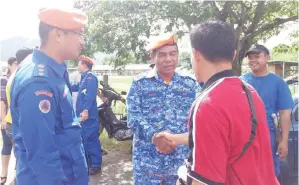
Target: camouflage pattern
[{"x": 155, "y": 106}]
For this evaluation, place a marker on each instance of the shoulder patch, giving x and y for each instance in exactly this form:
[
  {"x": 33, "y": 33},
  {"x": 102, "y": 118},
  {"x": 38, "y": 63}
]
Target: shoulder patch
[
  {"x": 44, "y": 106},
  {"x": 43, "y": 92}
]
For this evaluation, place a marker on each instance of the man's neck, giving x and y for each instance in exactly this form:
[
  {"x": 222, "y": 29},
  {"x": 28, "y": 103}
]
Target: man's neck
[
  {"x": 85, "y": 71},
  {"x": 165, "y": 76},
  {"x": 214, "y": 69},
  {"x": 51, "y": 53},
  {"x": 260, "y": 73}
]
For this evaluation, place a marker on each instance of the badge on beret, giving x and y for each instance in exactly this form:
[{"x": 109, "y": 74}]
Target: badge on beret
[{"x": 44, "y": 106}]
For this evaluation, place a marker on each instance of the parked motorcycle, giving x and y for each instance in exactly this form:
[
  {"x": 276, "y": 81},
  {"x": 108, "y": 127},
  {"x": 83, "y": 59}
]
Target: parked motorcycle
[{"x": 116, "y": 128}]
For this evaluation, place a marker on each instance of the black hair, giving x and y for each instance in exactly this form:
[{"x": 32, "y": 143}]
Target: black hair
[
  {"x": 23, "y": 53},
  {"x": 10, "y": 61},
  {"x": 216, "y": 40},
  {"x": 43, "y": 31}
]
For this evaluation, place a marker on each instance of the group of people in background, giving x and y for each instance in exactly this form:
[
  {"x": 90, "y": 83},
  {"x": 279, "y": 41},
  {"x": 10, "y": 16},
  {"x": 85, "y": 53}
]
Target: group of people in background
[{"x": 213, "y": 129}]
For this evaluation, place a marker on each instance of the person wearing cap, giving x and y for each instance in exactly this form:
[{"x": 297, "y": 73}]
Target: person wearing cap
[
  {"x": 227, "y": 122},
  {"x": 47, "y": 135},
  {"x": 159, "y": 100},
  {"x": 276, "y": 96},
  {"x": 87, "y": 111}
]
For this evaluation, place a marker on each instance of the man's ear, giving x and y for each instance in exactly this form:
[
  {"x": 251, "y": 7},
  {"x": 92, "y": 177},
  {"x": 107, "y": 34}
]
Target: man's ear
[
  {"x": 268, "y": 57},
  {"x": 57, "y": 34}
]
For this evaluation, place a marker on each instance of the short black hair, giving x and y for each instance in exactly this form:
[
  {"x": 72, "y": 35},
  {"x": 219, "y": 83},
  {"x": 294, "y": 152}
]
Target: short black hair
[
  {"x": 23, "y": 53},
  {"x": 216, "y": 40},
  {"x": 89, "y": 65},
  {"x": 43, "y": 31}
]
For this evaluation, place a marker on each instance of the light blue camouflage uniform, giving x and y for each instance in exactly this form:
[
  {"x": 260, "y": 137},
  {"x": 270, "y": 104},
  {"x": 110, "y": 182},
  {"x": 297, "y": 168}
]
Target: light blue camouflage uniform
[{"x": 155, "y": 106}]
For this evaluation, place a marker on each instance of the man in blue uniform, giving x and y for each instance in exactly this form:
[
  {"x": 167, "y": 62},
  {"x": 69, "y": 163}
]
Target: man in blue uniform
[
  {"x": 86, "y": 109},
  {"x": 47, "y": 135},
  {"x": 276, "y": 97},
  {"x": 159, "y": 100}
]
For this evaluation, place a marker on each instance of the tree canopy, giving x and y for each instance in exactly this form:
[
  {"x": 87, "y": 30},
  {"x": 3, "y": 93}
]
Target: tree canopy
[{"x": 124, "y": 27}]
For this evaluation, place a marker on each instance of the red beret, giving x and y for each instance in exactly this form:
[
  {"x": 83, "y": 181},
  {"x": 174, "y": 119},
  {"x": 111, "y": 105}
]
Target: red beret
[
  {"x": 86, "y": 59},
  {"x": 66, "y": 19},
  {"x": 162, "y": 40}
]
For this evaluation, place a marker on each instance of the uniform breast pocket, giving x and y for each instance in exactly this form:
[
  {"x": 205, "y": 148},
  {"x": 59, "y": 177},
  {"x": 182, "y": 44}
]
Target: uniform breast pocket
[
  {"x": 66, "y": 107},
  {"x": 152, "y": 105},
  {"x": 183, "y": 99}
]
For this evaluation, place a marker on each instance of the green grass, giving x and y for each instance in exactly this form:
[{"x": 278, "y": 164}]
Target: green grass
[{"x": 119, "y": 83}]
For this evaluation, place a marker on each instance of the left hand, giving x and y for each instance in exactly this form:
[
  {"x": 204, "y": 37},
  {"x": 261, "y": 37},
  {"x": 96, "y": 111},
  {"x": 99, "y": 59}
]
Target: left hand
[
  {"x": 84, "y": 115},
  {"x": 3, "y": 125},
  {"x": 282, "y": 150}
]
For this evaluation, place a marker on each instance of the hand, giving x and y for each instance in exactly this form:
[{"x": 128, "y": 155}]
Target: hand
[
  {"x": 282, "y": 150},
  {"x": 3, "y": 125},
  {"x": 84, "y": 115},
  {"x": 163, "y": 144}
]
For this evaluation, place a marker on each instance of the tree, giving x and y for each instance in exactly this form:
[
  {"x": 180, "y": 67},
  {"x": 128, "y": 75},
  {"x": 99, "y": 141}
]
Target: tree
[
  {"x": 124, "y": 26},
  {"x": 287, "y": 52}
]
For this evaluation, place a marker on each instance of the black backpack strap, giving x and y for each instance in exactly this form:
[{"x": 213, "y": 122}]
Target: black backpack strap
[{"x": 253, "y": 120}]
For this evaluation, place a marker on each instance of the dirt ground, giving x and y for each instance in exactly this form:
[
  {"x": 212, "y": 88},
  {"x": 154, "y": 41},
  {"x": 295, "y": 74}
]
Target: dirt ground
[{"x": 116, "y": 170}]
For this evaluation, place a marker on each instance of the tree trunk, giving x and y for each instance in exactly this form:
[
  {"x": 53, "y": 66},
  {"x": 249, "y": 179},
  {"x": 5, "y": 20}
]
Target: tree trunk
[{"x": 242, "y": 48}]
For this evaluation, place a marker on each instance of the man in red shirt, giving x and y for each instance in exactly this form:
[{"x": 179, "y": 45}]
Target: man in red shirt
[{"x": 228, "y": 137}]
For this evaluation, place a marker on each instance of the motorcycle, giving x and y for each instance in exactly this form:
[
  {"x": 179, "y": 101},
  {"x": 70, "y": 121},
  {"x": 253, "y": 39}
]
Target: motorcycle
[{"x": 115, "y": 127}]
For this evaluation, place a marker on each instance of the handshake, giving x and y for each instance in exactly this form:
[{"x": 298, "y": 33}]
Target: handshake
[{"x": 164, "y": 142}]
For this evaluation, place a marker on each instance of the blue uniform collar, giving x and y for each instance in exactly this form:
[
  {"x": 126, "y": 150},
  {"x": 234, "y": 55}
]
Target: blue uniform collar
[
  {"x": 153, "y": 74},
  {"x": 85, "y": 73},
  {"x": 41, "y": 58}
]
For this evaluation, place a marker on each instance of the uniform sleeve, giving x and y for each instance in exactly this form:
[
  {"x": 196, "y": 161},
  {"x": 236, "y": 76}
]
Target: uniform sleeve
[
  {"x": 285, "y": 100},
  {"x": 3, "y": 83},
  {"x": 211, "y": 145},
  {"x": 135, "y": 116},
  {"x": 91, "y": 92},
  {"x": 37, "y": 128}
]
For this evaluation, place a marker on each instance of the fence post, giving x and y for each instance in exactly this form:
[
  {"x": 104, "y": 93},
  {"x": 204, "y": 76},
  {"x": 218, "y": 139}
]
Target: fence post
[{"x": 105, "y": 79}]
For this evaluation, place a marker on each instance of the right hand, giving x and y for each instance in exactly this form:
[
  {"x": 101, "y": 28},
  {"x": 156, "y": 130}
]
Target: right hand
[
  {"x": 3, "y": 125},
  {"x": 163, "y": 143}
]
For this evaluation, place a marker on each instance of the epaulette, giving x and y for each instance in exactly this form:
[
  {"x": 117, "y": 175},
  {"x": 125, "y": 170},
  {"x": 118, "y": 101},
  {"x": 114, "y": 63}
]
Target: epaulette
[
  {"x": 40, "y": 70},
  {"x": 147, "y": 74},
  {"x": 90, "y": 75}
]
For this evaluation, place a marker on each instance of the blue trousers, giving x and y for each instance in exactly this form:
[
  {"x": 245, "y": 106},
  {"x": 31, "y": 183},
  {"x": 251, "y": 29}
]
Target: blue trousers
[
  {"x": 92, "y": 143},
  {"x": 276, "y": 159}
]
